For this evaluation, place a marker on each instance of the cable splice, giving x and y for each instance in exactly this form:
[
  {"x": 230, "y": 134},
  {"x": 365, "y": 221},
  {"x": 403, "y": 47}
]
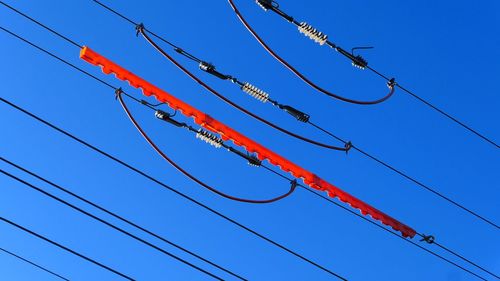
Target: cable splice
[
  {"x": 239, "y": 139},
  {"x": 311, "y": 32},
  {"x": 255, "y": 92}
]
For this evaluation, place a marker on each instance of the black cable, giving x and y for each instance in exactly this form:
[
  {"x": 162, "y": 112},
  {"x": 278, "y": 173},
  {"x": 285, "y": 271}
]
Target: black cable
[
  {"x": 357, "y": 60},
  {"x": 147, "y": 176},
  {"x": 42, "y": 25},
  {"x": 417, "y": 182},
  {"x": 110, "y": 225},
  {"x": 66, "y": 248},
  {"x": 34, "y": 264},
  {"x": 67, "y": 191}
]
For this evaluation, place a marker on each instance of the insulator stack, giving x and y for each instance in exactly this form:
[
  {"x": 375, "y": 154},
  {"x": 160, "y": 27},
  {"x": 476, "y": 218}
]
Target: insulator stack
[
  {"x": 359, "y": 62},
  {"x": 311, "y": 32},
  {"x": 255, "y": 92},
  {"x": 209, "y": 138}
]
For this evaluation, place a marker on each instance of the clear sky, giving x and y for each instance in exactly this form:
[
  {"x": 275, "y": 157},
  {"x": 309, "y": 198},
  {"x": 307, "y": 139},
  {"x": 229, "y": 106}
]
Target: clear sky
[{"x": 446, "y": 51}]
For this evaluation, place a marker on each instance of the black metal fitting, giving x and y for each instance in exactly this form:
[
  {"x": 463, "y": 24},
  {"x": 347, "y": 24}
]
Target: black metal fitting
[
  {"x": 299, "y": 115},
  {"x": 139, "y": 28},
  {"x": 210, "y": 68},
  {"x": 347, "y": 146},
  {"x": 265, "y": 4},
  {"x": 162, "y": 115},
  {"x": 427, "y": 238},
  {"x": 252, "y": 159}
]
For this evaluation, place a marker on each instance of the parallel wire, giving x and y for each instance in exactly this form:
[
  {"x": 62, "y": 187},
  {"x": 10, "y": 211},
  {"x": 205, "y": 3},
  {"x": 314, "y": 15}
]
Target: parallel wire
[
  {"x": 126, "y": 233},
  {"x": 67, "y": 191},
  {"x": 33, "y": 233},
  {"x": 138, "y": 171},
  {"x": 412, "y": 179},
  {"x": 33, "y": 264}
]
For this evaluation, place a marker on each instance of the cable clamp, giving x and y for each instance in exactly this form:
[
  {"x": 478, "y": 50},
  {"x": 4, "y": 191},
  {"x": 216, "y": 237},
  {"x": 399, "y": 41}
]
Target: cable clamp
[
  {"x": 391, "y": 83},
  {"x": 347, "y": 146},
  {"x": 118, "y": 92},
  {"x": 139, "y": 29},
  {"x": 427, "y": 238}
]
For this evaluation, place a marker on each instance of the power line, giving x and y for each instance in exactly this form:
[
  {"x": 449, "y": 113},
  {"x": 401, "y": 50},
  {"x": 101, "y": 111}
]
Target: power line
[
  {"x": 356, "y": 60},
  {"x": 109, "y": 224},
  {"x": 347, "y": 144},
  {"x": 97, "y": 206},
  {"x": 139, "y": 101},
  {"x": 33, "y": 233},
  {"x": 33, "y": 264}
]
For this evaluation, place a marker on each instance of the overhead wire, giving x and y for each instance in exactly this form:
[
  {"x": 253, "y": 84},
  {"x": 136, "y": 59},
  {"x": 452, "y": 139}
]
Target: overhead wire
[
  {"x": 33, "y": 264},
  {"x": 119, "y": 217},
  {"x": 357, "y": 61},
  {"x": 191, "y": 199},
  {"x": 121, "y": 230},
  {"x": 67, "y": 249},
  {"x": 348, "y": 145}
]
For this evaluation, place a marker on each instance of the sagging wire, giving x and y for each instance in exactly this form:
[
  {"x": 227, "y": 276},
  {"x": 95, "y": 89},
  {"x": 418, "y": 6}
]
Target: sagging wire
[
  {"x": 318, "y": 37},
  {"x": 246, "y": 87},
  {"x": 207, "y": 137},
  {"x": 356, "y": 60},
  {"x": 132, "y": 168}
]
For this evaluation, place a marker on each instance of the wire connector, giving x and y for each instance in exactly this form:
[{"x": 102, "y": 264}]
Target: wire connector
[
  {"x": 299, "y": 115},
  {"x": 162, "y": 115},
  {"x": 255, "y": 92},
  {"x": 139, "y": 29},
  {"x": 427, "y": 238},
  {"x": 265, "y": 4},
  {"x": 313, "y": 33},
  {"x": 209, "y": 138},
  {"x": 210, "y": 68},
  {"x": 347, "y": 146}
]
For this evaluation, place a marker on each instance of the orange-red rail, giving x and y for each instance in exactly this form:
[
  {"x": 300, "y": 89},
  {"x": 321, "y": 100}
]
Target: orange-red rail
[{"x": 251, "y": 146}]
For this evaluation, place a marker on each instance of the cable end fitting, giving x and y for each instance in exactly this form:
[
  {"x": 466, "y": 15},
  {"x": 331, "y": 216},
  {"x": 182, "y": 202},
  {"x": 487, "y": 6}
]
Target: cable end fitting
[
  {"x": 139, "y": 29},
  {"x": 162, "y": 115},
  {"x": 210, "y": 68},
  {"x": 265, "y": 4},
  {"x": 118, "y": 92},
  {"x": 299, "y": 115}
]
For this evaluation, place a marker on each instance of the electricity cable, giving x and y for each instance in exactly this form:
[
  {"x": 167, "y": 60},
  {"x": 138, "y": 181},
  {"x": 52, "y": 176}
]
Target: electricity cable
[
  {"x": 80, "y": 210},
  {"x": 119, "y": 217},
  {"x": 33, "y": 233},
  {"x": 33, "y": 264}
]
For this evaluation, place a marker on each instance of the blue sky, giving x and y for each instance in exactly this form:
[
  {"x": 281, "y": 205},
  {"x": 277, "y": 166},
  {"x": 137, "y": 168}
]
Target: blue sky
[{"x": 444, "y": 51}]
